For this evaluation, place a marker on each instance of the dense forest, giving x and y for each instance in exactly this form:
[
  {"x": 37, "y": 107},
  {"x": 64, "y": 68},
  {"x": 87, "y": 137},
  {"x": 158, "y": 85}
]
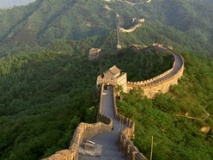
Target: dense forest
[
  {"x": 47, "y": 83},
  {"x": 43, "y": 96},
  {"x": 165, "y": 118},
  {"x": 182, "y": 24}
]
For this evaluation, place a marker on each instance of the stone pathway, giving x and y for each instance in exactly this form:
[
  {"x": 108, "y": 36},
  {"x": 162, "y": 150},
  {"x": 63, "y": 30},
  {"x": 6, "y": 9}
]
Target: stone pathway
[
  {"x": 108, "y": 140},
  {"x": 176, "y": 68}
]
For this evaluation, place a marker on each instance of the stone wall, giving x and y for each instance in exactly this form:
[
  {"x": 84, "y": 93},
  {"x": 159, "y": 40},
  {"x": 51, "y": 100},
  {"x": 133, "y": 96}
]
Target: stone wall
[
  {"x": 105, "y": 124},
  {"x": 105, "y": 81},
  {"x": 84, "y": 131},
  {"x": 124, "y": 142},
  {"x": 130, "y": 29},
  {"x": 122, "y": 81},
  {"x": 151, "y": 88},
  {"x": 146, "y": 82}
]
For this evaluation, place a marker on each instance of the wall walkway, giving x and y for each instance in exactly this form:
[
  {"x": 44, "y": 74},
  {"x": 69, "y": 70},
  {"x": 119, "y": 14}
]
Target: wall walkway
[
  {"x": 113, "y": 130},
  {"x": 162, "y": 82},
  {"x": 84, "y": 131},
  {"x": 108, "y": 140},
  {"x": 116, "y": 144}
]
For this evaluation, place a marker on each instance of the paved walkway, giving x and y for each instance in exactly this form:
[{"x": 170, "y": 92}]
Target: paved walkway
[
  {"x": 108, "y": 140},
  {"x": 177, "y": 67}
]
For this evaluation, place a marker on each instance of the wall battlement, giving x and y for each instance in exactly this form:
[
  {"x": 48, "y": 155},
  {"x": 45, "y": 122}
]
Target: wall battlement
[
  {"x": 162, "y": 82},
  {"x": 84, "y": 131},
  {"x": 124, "y": 142}
]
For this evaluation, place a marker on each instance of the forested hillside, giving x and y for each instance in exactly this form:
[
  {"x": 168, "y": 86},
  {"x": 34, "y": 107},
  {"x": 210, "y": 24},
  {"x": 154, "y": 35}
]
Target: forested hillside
[
  {"x": 176, "y": 119},
  {"x": 43, "y": 96},
  {"x": 47, "y": 84},
  {"x": 183, "y": 24}
]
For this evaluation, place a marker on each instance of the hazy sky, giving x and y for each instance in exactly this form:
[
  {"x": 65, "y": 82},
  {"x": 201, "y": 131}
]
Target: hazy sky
[{"x": 11, "y": 3}]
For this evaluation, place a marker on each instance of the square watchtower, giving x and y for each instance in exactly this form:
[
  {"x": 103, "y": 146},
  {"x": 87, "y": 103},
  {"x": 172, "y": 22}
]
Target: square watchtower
[{"x": 113, "y": 76}]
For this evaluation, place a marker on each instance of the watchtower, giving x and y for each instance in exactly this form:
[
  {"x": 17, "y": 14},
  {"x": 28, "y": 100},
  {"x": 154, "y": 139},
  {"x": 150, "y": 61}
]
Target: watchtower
[{"x": 113, "y": 76}]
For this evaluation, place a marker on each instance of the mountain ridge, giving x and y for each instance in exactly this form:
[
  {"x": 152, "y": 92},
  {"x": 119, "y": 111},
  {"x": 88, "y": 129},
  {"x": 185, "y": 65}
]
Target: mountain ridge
[
  {"x": 77, "y": 20},
  {"x": 47, "y": 88}
]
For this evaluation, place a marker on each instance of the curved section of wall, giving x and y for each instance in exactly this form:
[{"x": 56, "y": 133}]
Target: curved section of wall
[
  {"x": 124, "y": 142},
  {"x": 84, "y": 131},
  {"x": 162, "y": 82}
]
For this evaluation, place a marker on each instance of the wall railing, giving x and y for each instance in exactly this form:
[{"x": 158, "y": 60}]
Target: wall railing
[{"x": 124, "y": 142}]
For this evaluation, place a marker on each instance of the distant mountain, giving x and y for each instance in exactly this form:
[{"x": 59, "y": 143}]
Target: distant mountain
[
  {"x": 48, "y": 86},
  {"x": 46, "y": 21},
  {"x": 178, "y": 23},
  {"x": 12, "y": 3}
]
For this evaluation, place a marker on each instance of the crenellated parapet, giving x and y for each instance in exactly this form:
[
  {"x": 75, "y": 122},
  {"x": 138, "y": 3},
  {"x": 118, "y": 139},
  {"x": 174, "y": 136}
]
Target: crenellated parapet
[
  {"x": 84, "y": 131},
  {"x": 162, "y": 82},
  {"x": 114, "y": 77},
  {"x": 124, "y": 141},
  {"x": 159, "y": 84}
]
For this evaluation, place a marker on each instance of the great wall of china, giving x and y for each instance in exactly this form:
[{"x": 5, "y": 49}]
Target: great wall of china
[
  {"x": 105, "y": 124},
  {"x": 113, "y": 130},
  {"x": 162, "y": 82},
  {"x": 84, "y": 131},
  {"x": 118, "y": 21},
  {"x": 111, "y": 121},
  {"x": 124, "y": 141}
]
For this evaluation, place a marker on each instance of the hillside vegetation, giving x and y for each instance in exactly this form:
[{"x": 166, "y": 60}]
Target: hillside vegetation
[
  {"x": 176, "y": 23},
  {"x": 47, "y": 84},
  {"x": 43, "y": 96},
  {"x": 167, "y": 117}
]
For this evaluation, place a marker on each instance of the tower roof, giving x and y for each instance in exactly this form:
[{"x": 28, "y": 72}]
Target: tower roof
[{"x": 112, "y": 72}]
